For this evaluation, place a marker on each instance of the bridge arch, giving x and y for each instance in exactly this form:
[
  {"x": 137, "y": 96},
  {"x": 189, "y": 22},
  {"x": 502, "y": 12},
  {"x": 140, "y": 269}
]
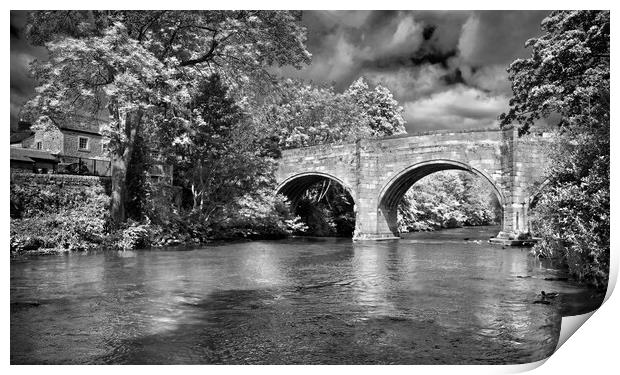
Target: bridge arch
[
  {"x": 293, "y": 186},
  {"x": 396, "y": 187}
]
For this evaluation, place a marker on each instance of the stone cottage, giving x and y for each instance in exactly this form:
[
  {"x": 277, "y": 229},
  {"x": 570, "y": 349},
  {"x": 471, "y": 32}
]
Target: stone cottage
[{"x": 79, "y": 147}]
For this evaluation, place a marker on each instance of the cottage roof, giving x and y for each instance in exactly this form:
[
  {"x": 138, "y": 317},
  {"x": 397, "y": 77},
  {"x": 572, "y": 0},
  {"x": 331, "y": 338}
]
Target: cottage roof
[
  {"x": 17, "y": 137},
  {"x": 79, "y": 130},
  {"x": 29, "y": 154},
  {"x": 21, "y": 158}
]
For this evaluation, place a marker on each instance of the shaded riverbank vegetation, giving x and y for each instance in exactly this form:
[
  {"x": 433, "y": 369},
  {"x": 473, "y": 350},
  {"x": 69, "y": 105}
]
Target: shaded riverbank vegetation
[
  {"x": 568, "y": 76},
  {"x": 448, "y": 199}
]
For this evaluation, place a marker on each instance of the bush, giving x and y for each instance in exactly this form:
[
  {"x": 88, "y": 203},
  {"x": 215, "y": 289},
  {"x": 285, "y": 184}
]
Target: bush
[
  {"x": 256, "y": 216},
  {"x": 135, "y": 236},
  {"x": 572, "y": 215},
  {"x": 56, "y": 219},
  {"x": 259, "y": 216}
]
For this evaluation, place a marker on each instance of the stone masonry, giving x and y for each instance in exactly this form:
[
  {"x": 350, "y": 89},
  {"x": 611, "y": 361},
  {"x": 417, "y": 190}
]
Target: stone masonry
[{"x": 377, "y": 173}]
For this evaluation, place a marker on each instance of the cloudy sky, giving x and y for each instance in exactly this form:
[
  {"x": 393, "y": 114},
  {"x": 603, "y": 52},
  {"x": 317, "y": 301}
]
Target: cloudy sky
[{"x": 447, "y": 69}]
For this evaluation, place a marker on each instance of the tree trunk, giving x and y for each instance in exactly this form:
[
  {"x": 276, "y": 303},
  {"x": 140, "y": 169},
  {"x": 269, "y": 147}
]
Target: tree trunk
[
  {"x": 120, "y": 158},
  {"x": 119, "y": 188}
]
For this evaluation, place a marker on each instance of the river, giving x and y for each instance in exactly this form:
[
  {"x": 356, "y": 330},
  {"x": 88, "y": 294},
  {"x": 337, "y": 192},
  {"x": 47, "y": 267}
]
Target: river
[{"x": 427, "y": 298}]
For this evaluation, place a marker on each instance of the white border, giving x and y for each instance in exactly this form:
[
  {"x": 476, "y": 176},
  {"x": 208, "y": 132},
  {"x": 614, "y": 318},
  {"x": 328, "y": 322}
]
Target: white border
[{"x": 594, "y": 347}]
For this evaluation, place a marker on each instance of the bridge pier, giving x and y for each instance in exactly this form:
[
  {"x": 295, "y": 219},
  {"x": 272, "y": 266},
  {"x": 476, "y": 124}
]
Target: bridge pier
[{"x": 375, "y": 224}]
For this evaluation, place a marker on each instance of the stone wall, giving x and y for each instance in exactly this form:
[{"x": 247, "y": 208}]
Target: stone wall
[
  {"x": 33, "y": 179},
  {"x": 28, "y": 142},
  {"x": 531, "y": 160},
  {"x": 51, "y": 140},
  {"x": 71, "y": 145},
  {"x": 164, "y": 194}
]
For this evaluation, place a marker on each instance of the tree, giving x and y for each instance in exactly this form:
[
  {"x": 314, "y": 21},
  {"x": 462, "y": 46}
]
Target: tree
[
  {"x": 138, "y": 180},
  {"x": 301, "y": 114},
  {"x": 215, "y": 152},
  {"x": 446, "y": 200},
  {"x": 141, "y": 67},
  {"x": 480, "y": 203},
  {"x": 572, "y": 213},
  {"x": 382, "y": 112},
  {"x": 568, "y": 74},
  {"x": 327, "y": 210}
]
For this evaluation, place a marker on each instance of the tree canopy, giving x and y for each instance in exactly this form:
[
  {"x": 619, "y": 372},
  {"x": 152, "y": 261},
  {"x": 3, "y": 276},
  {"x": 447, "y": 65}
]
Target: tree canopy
[
  {"x": 568, "y": 74},
  {"x": 140, "y": 68},
  {"x": 379, "y": 109},
  {"x": 448, "y": 199},
  {"x": 216, "y": 153},
  {"x": 303, "y": 114}
]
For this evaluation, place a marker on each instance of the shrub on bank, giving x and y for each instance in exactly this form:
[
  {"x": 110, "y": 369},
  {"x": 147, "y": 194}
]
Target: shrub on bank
[
  {"x": 572, "y": 215},
  {"x": 259, "y": 216},
  {"x": 57, "y": 219},
  {"x": 134, "y": 236}
]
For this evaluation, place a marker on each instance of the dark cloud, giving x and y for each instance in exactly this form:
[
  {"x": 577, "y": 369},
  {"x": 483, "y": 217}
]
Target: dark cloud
[
  {"x": 428, "y": 31},
  {"x": 498, "y": 37},
  {"x": 446, "y": 68},
  {"x": 433, "y": 61},
  {"x": 453, "y": 77},
  {"x": 14, "y": 32},
  {"x": 22, "y": 84}
]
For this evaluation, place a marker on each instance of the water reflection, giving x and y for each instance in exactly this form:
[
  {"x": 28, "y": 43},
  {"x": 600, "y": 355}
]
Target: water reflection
[{"x": 428, "y": 298}]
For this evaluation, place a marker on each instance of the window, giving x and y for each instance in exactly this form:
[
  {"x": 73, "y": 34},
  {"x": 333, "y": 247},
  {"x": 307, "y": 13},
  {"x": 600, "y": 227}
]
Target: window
[
  {"x": 39, "y": 146},
  {"x": 83, "y": 143}
]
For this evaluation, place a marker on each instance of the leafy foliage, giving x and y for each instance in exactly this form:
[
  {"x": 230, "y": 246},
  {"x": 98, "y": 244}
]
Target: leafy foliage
[
  {"x": 57, "y": 217},
  {"x": 379, "y": 109},
  {"x": 139, "y": 68},
  {"x": 215, "y": 154},
  {"x": 572, "y": 214},
  {"x": 326, "y": 209},
  {"x": 302, "y": 114},
  {"x": 135, "y": 235},
  {"x": 448, "y": 199},
  {"x": 260, "y": 215},
  {"x": 568, "y": 74}
]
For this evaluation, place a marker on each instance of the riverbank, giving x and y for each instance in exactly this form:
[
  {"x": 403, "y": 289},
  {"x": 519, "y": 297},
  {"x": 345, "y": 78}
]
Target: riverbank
[
  {"x": 55, "y": 214},
  {"x": 24, "y": 244},
  {"x": 143, "y": 236}
]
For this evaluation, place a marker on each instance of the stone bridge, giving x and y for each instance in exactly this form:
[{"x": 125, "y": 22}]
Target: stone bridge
[{"x": 377, "y": 173}]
